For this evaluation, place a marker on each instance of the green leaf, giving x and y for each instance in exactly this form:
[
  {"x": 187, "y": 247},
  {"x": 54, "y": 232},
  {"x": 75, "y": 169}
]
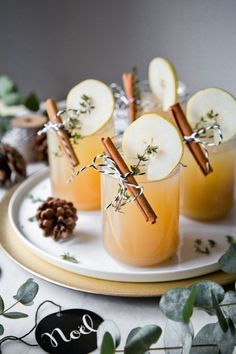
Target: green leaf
[
  {"x": 110, "y": 327},
  {"x": 203, "y": 298},
  {"x": 31, "y": 102},
  {"x": 1, "y": 329},
  {"x": 11, "y": 99},
  {"x": 6, "y": 86},
  {"x": 27, "y": 292},
  {"x": 107, "y": 345},
  {"x": 178, "y": 334},
  {"x": 132, "y": 333},
  {"x": 188, "y": 307},
  {"x": 230, "y": 310},
  {"x": 221, "y": 318},
  {"x": 213, "y": 334},
  {"x": 15, "y": 315},
  {"x": 2, "y": 306},
  {"x": 140, "y": 341},
  {"x": 173, "y": 302},
  {"x": 5, "y": 124},
  {"x": 228, "y": 261}
]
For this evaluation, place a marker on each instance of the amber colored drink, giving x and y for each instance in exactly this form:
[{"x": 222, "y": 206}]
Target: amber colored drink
[
  {"x": 84, "y": 190},
  {"x": 209, "y": 197},
  {"x": 128, "y": 237}
]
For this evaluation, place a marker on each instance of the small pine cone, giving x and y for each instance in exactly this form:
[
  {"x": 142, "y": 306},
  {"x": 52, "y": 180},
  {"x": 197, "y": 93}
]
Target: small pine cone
[
  {"x": 57, "y": 218},
  {"x": 40, "y": 146},
  {"x": 12, "y": 166}
]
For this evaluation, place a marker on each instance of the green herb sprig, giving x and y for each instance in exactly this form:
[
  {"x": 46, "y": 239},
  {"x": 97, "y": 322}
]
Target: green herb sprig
[
  {"x": 143, "y": 158},
  {"x": 202, "y": 248},
  {"x": 67, "y": 257}
]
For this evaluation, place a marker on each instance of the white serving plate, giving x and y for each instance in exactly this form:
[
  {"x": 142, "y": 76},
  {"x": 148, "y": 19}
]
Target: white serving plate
[{"x": 87, "y": 247}]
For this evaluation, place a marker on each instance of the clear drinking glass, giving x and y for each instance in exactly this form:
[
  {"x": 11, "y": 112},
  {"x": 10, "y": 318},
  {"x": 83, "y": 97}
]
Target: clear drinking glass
[
  {"x": 209, "y": 197},
  {"x": 84, "y": 190},
  {"x": 128, "y": 237}
]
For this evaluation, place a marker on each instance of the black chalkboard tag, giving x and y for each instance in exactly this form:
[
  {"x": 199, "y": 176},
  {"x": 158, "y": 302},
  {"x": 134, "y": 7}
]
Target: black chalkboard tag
[{"x": 70, "y": 331}]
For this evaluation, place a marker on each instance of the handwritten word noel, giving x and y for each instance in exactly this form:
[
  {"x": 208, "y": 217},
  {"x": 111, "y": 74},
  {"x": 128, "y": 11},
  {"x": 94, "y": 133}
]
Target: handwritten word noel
[{"x": 85, "y": 329}]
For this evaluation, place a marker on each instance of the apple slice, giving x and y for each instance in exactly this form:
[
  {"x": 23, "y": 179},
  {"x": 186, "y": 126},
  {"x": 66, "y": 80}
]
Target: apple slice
[
  {"x": 163, "y": 82},
  {"x": 99, "y": 104},
  {"x": 160, "y": 133},
  {"x": 213, "y": 105}
]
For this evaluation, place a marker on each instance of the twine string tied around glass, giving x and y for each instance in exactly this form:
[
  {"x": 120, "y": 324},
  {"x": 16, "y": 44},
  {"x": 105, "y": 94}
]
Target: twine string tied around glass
[
  {"x": 108, "y": 167},
  {"x": 198, "y": 138}
]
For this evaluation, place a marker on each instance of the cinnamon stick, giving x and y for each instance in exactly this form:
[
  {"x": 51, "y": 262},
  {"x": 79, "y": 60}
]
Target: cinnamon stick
[
  {"x": 141, "y": 201},
  {"x": 178, "y": 115},
  {"x": 52, "y": 110},
  {"x": 128, "y": 83}
]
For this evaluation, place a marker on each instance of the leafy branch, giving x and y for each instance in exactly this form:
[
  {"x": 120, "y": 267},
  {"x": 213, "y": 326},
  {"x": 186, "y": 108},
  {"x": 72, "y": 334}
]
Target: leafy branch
[
  {"x": 25, "y": 295},
  {"x": 178, "y": 305}
]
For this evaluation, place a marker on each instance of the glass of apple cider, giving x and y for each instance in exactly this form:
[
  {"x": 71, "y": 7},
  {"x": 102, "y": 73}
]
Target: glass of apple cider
[
  {"x": 128, "y": 237},
  {"x": 88, "y": 117},
  {"x": 84, "y": 190},
  {"x": 209, "y": 197},
  {"x": 152, "y": 149}
]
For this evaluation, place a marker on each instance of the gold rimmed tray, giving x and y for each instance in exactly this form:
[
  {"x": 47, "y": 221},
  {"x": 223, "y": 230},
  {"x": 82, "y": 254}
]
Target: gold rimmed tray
[{"x": 19, "y": 253}]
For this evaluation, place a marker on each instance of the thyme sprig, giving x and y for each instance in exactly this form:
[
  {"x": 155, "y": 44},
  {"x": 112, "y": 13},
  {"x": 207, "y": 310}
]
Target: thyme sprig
[
  {"x": 67, "y": 257},
  {"x": 34, "y": 199},
  {"x": 202, "y": 248},
  {"x": 73, "y": 125},
  {"x": 86, "y": 105},
  {"x": 142, "y": 159},
  {"x": 210, "y": 118}
]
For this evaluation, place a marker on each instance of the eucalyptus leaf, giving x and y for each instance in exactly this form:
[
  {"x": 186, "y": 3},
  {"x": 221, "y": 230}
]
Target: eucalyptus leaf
[
  {"x": 221, "y": 318},
  {"x": 178, "y": 334},
  {"x": 27, "y": 292},
  {"x": 188, "y": 307},
  {"x": 15, "y": 315},
  {"x": 140, "y": 341},
  {"x": 6, "y": 85},
  {"x": 107, "y": 345},
  {"x": 132, "y": 333},
  {"x": 173, "y": 302},
  {"x": 11, "y": 99},
  {"x": 203, "y": 298},
  {"x": 31, "y": 102},
  {"x": 1, "y": 329},
  {"x": 213, "y": 334},
  {"x": 2, "y": 306},
  {"x": 228, "y": 261},
  {"x": 230, "y": 310},
  {"x": 110, "y": 327}
]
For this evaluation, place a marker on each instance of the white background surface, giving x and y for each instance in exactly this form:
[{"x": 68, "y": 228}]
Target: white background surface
[{"x": 126, "y": 312}]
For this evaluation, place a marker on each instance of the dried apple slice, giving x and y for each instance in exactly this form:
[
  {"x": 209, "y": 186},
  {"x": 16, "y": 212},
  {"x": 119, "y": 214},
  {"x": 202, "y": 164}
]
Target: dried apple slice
[
  {"x": 213, "y": 105},
  {"x": 95, "y": 101},
  {"x": 163, "y": 82},
  {"x": 158, "y": 134}
]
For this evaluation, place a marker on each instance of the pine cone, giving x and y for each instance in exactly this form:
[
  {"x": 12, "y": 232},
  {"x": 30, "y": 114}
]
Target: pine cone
[
  {"x": 57, "y": 218},
  {"x": 12, "y": 166},
  {"x": 41, "y": 147}
]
